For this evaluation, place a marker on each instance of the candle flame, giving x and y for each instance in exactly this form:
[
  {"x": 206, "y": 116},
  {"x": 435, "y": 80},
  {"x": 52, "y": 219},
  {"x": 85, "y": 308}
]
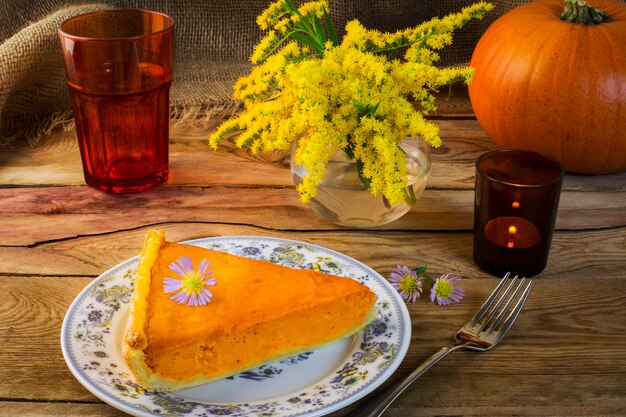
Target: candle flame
[
  {"x": 515, "y": 204},
  {"x": 512, "y": 232}
]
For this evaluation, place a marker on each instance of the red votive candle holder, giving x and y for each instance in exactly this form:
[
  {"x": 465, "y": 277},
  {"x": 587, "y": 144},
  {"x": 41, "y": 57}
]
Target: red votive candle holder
[{"x": 516, "y": 202}]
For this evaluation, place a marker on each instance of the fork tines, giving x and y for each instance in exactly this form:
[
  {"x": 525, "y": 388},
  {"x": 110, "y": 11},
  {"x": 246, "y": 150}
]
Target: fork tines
[{"x": 495, "y": 301}]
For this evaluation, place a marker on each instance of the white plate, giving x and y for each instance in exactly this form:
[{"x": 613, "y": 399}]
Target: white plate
[{"x": 311, "y": 384}]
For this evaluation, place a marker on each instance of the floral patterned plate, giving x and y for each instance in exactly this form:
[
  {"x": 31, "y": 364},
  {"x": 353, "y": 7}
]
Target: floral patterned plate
[{"x": 311, "y": 384}]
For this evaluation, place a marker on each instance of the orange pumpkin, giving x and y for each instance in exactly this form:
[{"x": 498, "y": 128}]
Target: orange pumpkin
[{"x": 555, "y": 86}]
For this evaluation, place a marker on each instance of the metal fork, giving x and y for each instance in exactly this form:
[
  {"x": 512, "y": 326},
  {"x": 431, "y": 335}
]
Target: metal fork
[{"x": 481, "y": 333}]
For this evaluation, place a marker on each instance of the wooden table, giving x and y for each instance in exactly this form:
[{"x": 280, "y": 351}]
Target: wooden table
[{"x": 565, "y": 356}]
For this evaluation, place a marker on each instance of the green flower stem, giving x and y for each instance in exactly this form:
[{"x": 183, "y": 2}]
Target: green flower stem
[
  {"x": 410, "y": 197},
  {"x": 278, "y": 45},
  {"x": 578, "y": 11},
  {"x": 421, "y": 271},
  {"x": 330, "y": 29}
]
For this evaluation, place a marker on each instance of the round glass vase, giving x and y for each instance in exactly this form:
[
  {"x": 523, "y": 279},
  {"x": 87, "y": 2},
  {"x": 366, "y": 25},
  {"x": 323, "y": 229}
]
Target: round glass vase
[{"x": 343, "y": 199}]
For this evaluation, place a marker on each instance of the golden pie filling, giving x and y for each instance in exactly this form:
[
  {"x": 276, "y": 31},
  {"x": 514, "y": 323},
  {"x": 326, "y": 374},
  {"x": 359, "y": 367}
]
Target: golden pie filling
[{"x": 198, "y": 315}]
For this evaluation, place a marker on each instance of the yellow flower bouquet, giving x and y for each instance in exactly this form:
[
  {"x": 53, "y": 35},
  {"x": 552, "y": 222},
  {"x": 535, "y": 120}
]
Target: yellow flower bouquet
[{"x": 352, "y": 94}]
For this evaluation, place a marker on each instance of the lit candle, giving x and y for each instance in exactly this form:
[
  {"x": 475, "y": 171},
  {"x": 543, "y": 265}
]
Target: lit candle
[
  {"x": 512, "y": 232},
  {"x": 517, "y": 195}
]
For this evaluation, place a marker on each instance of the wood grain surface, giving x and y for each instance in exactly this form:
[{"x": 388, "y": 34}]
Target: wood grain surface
[{"x": 566, "y": 355}]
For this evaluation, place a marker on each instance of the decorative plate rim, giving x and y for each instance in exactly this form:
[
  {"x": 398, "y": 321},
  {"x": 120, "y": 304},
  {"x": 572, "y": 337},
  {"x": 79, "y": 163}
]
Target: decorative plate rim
[{"x": 371, "y": 385}]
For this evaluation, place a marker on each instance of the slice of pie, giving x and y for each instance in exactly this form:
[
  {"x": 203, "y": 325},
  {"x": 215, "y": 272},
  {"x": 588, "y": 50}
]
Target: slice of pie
[{"x": 197, "y": 315}]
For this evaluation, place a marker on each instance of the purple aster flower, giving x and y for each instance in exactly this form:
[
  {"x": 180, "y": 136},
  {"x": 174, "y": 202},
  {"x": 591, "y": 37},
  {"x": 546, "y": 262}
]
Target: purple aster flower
[
  {"x": 191, "y": 287},
  {"x": 445, "y": 290},
  {"x": 406, "y": 282}
]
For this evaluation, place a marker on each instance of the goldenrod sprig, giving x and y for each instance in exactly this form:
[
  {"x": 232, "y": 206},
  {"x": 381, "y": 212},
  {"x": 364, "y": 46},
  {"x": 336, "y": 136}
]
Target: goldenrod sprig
[
  {"x": 422, "y": 39},
  {"x": 285, "y": 20}
]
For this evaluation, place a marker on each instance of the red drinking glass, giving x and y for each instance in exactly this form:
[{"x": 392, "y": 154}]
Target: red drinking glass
[
  {"x": 516, "y": 202},
  {"x": 119, "y": 67}
]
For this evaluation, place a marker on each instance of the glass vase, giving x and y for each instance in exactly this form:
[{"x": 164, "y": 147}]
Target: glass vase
[{"x": 343, "y": 199}]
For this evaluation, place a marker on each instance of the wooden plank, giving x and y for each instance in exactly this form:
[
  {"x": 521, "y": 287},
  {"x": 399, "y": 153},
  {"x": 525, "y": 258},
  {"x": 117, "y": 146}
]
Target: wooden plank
[
  {"x": 35, "y": 215},
  {"x": 31, "y": 362},
  {"x": 581, "y": 410},
  {"x": 193, "y": 163},
  {"x": 538, "y": 350},
  {"x": 450, "y": 251},
  {"x": 44, "y": 409},
  {"x": 38, "y": 409}
]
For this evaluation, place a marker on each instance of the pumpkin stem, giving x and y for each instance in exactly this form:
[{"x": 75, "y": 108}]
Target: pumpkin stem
[{"x": 578, "y": 11}]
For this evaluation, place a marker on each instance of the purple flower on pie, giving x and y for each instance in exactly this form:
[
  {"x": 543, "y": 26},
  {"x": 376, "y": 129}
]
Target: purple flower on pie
[
  {"x": 445, "y": 291},
  {"x": 406, "y": 282},
  {"x": 191, "y": 287}
]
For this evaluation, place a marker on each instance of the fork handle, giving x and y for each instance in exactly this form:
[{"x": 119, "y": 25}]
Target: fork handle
[{"x": 378, "y": 404}]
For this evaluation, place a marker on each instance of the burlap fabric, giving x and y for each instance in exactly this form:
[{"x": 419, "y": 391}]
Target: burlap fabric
[{"x": 214, "y": 39}]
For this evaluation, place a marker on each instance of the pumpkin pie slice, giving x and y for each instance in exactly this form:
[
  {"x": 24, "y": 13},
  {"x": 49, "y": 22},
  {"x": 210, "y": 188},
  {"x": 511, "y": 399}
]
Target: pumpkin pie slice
[{"x": 197, "y": 315}]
